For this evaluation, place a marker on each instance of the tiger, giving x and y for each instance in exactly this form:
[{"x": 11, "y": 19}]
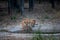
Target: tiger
[{"x": 27, "y": 24}]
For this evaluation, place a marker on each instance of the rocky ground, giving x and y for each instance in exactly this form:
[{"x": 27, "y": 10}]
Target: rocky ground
[
  {"x": 46, "y": 17},
  {"x": 42, "y": 13}
]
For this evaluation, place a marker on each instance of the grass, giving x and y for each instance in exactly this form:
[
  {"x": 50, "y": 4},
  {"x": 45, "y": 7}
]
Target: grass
[
  {"x": 3, "y": 30},
  {"x": 40, "y": 37},
  {"x": 13, "y": 17},
  {"x": 46, "y": 32}
]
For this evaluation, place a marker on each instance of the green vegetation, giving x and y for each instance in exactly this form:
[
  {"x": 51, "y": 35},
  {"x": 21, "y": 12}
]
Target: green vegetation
[
  {"x": 40, "y": 37},
  {"x": 13, "y": 18},
  {"x": 47, "y": 17},
  {"x": 4, "y": 31}
]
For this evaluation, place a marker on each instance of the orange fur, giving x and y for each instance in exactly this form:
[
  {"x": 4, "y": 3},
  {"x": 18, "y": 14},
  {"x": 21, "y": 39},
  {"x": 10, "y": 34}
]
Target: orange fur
[{"x": 27, "y": 23}]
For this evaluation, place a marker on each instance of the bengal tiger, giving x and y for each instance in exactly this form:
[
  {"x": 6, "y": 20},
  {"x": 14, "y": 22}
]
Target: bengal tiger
[{"x": 27, "y": 24}]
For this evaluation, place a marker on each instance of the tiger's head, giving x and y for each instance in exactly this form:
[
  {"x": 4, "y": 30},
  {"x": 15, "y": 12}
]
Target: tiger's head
[{"x": 26, "y": 23}]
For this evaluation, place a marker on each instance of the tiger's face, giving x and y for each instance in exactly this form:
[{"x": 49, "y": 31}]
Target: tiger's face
[{"x": 28, "y": 23}]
